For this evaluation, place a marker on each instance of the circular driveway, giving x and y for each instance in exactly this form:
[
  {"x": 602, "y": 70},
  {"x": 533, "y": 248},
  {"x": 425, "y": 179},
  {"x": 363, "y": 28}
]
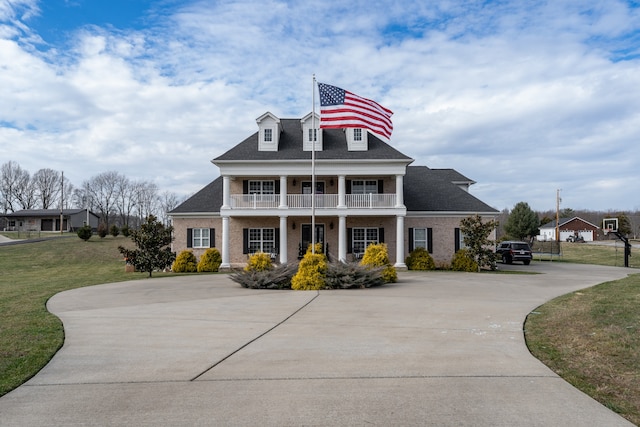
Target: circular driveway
[{"x": 437, "y": 348}]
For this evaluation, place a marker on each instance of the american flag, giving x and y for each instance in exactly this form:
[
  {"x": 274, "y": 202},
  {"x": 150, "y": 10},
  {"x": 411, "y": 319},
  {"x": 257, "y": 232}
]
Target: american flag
[{"x": 342, "y": 109}]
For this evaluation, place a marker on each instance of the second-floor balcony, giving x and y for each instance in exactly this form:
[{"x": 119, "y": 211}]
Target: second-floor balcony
[{"x": 305, "y": 201}]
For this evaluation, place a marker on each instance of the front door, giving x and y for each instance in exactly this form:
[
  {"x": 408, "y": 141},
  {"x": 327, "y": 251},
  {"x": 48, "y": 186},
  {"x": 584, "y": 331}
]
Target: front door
[{"x": 306, "y": 237}]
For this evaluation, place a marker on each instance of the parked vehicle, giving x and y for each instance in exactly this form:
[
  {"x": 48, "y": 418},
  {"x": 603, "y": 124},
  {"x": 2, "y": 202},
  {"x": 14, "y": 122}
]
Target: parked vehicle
[
  {"x": 575, "y": 238},
  {"x": 511, "y": 251}
]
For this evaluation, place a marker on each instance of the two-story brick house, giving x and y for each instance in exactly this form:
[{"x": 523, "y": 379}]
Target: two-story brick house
[{"x": 366, "y": 192}]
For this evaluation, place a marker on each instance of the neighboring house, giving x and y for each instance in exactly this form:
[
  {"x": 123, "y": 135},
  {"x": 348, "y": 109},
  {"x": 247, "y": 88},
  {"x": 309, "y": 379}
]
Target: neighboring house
[
  {"x": 49, "y": 220},
  {"x": 569, "y": 227},
  {"x": 366, "y": 192}
]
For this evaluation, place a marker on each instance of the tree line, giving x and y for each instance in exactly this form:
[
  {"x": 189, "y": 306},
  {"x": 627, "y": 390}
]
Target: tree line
[{"x": 111, "y": 195}]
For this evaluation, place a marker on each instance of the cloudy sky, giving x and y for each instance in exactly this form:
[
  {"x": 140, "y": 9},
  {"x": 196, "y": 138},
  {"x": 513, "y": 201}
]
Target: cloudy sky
[{"x": 524, "y": 97}]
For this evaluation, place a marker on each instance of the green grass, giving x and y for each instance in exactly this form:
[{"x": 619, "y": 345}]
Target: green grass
[
  {"x": 591, "y": 338},
  {"x": 584, "y": 253},
  {"x": 29, "y": 275}
]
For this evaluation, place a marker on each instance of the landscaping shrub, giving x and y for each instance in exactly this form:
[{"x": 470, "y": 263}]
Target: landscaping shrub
[
  {"x": 85, "y": 232},
  {"x": 210, "y": 261},
  {"x": 462, "y": 261},
  {"x": 259, "y": 261},
  {"x": 278, "y": 277},
  {"x": 311, "y": 272},
  {"x": 352, "y": 275},
  {"x": 420, "y": 259},
  {"x": 125, "y": 230},
  {"x": 185, "y": 263},
  {"x": 102, "y": 230},
  {"x": 114, "y": 230},
  {"x": 377, "y": 256}
]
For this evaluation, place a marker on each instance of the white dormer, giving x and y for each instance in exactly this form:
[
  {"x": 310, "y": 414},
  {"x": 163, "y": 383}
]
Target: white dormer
[
  {"x": 311, "y": 134},
  {"x": 269, "y": 132},
  {"x": 357, "y": 139}
]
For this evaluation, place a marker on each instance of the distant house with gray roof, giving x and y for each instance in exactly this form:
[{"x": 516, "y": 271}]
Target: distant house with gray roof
[
  {"x": 366, "y": 192},
  {"x": 49, "y": 219}
]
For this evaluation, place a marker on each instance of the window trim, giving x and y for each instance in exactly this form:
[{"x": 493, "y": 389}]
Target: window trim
[
  {"x": 366, "y": 241},
  {"x": 198, "y": 236}
]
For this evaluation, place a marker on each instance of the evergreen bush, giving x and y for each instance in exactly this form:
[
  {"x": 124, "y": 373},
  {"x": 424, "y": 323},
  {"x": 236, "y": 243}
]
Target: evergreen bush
[
  {"x": 278, "y": 277},
  {"x": 342, "y": 275},
  {"x": 85, "y": 232},
  {"x": 114, "y": 230},
  {"x": 125, "y": 230},
  {"x": 420, "y": 259},
  {"x": 210, "y": 261},
  {"x": 102, "y": 230},
  {"x": 462, "y": 261},
  {"x": 185, "y": 263},
  {"x": 311, "y": 272},
  {"x": 376, "y": 255},
  {"x": 259, "y": 261}
]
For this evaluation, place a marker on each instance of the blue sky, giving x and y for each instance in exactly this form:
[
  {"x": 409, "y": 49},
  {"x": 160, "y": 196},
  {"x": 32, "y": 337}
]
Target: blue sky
[{"x": 523, "y": 97}]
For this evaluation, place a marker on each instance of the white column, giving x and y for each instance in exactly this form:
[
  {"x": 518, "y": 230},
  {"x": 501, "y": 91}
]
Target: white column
[
  {"x": 226, "y": 196},
  {"x": 225, "y": 243},
  {"x": 400, "y": 242},
  {"x": 283, "y": 192},
  {"x": 283, "y": 240},
  {"x": 342, "y": 238},
  {"x": 342, "y": 190},
  {"x": 399, "y": 191}
]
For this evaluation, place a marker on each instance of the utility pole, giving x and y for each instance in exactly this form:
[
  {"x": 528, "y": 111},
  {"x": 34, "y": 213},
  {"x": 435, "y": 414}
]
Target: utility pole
[
  {"x": 558, "y": 217},
  {"x": 61, "y": 201}
]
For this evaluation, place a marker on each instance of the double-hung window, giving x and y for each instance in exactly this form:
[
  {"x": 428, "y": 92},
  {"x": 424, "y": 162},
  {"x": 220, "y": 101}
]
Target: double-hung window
[
  {"x": 268, "y": 135},
  {"x": 362, "y": 237},
  {"x": 420, "y": 238},
  {"x": 364, "y": 186},
  {"x": 357, "y": 134},
  {"x": 261, "y": 240},
  {"x": 201, "y": 238}
]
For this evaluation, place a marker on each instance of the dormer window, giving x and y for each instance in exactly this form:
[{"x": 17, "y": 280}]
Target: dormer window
[
  {"x": 269, "y": 132},
  {"x": 356, "y": 139},
  {"x": 313, "y": 135}
]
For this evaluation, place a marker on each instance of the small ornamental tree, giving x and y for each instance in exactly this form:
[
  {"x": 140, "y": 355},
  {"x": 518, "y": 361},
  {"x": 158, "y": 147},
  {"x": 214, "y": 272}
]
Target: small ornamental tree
[
  {"x": 210, "y": 261},
  {"x": 152, "y": 241},
  {"x": 476, "y": 238},
  {"x": 125, "y": 230},
  {"x": 102, "y": 230},
  {"x": 85, "y": 232},
  {"x": 114, "y": 230},
  {"x": 377, "y": 256}
]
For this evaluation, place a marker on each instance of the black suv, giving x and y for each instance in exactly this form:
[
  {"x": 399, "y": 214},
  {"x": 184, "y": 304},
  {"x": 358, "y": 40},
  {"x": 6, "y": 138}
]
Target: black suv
[{"x": 514, "y": 251}]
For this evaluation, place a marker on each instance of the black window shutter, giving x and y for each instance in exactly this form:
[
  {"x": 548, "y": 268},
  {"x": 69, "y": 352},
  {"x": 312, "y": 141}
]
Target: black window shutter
[
  {"x": 430, "y": 240},
  {"x": 276, "y": 188},
  {"x": 189, "y": 237},
  {"x": 245, "y": 240},
  {"x": 276, "y": 236},
  {"x": 245, "y": 187},
  {"x": 380, "y": 235},
  {"x": 348, "y": 182},
  {"x": 456, "y": 233},
  {"x": 212, "y": 237},
  {"x": 349, "y": 241},
  {"x": 411, "y": 248},
  {"x": 380, "y": 186}
]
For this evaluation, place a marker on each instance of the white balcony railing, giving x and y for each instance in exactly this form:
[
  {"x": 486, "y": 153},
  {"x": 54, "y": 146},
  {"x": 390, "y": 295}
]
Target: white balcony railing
[{"x": 303, "y": 201}]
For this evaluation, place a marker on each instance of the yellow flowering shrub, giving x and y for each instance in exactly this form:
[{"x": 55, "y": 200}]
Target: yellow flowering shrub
[
  {"x": 311, "y": 272},
  {"x": 378, "y": 256},
  {"x": 185, "y": 263},
  {"x": 462, "y": 261},
  {"x": 420, "y": 259},
  {"x": 260, "y": 261},
  {"x": 210, "y": 261}
]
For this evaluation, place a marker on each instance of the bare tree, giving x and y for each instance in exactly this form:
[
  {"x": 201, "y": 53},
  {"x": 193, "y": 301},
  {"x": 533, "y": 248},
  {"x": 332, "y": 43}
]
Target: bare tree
[
  {"x": 10, "y": 175},
  {"x": 126, "y": 200},
  {"x": 168, "y": 202},
  {"x": 24, "y": 191},
  {"x": 46, "y": 183},
  {"x": 147, "y": 199},
  {"x": 102, "y": 190}
]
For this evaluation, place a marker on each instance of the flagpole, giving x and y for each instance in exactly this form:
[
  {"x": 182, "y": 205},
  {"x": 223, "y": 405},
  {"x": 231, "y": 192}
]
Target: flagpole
[{"x": 313, "y": 168}]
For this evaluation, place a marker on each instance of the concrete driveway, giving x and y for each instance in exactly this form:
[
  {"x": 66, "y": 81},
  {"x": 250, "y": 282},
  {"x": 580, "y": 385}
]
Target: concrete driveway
[{"x": 437, "y": 348}]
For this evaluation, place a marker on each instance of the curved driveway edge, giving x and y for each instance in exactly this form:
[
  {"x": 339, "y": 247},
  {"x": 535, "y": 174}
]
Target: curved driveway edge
[{"x": 437, "y": 348}]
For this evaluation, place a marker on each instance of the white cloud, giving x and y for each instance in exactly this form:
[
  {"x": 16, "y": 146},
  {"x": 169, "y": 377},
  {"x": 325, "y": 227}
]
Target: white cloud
[{"x": 524, "y": 98}]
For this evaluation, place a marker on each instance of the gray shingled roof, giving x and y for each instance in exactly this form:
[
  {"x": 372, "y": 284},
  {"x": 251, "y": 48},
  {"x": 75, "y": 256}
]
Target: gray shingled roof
[
  {"x": 431, "y": 190},
  {"x": 44, "y": 212},
  {"x": 209, "y": 199},
  {"x": 334, "y": 144},
  {"x": 425, "y": 190}
]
